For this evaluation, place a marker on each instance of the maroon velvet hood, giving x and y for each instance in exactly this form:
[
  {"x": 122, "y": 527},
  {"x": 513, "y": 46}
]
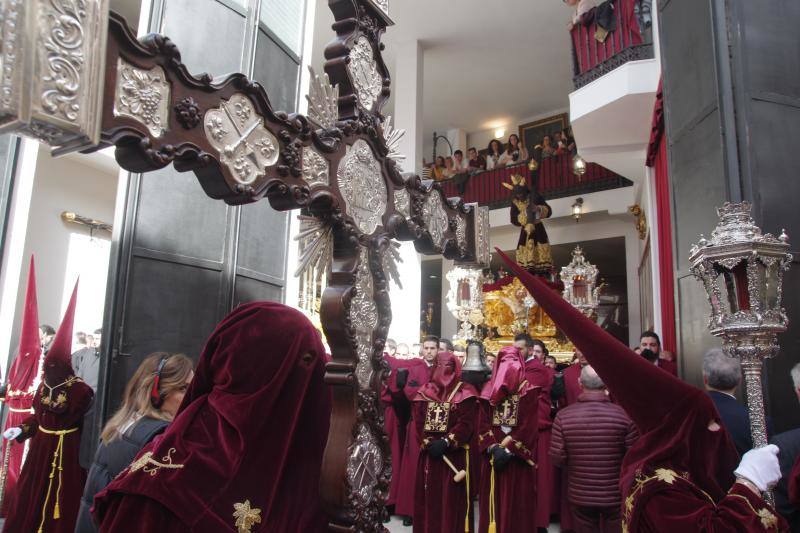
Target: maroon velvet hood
[
  {"x": 58, "y": 361},
  {"x": 23, "y": 369},
  {"x": 507, "y": 376},
  {"x": 672, "y": 416},
  {"x": 252, "y": 427},
  {"x": 445, "y": 377}
]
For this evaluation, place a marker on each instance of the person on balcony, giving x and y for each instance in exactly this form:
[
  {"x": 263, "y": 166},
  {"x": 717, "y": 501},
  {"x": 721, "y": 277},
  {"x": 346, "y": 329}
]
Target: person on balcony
[
  {"x": 476, "y": 161},
  {"x": 449, "y": 170},
  {"x": 493, "y": 155},
  {"x": 460, "y": 166},
  {"x": 581, "y": 14},
  {"x": 437, "y": 170},
  {"x": 515, "y": 152},
  {"x": 548, "y": 150}
]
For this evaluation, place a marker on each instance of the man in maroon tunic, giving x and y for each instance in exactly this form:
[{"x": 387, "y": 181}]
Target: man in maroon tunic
[
  {"x": 47, "y": 496},
  {"x": 419, "y": 373},
  {"x": 445, "y": 413},
  {"x": 19, "y": 389},
  {"x": 395, "y": 417},
  {"x": 572, "y": 376},
  {"x": 508, "y": 430},
  {"x": 244, "y": 452},
  {"x": 679, "y": 476},
  {"x": 547, "y": 484}
]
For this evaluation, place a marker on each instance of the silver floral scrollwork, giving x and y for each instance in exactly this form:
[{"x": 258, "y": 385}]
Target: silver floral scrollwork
[
  {"x": 238, "y": 133},
  {"x": 383, "y": 5},
  {"x": 364, "y": 73},
  {"x": 435, "y": 218},
  {"x": 461, "y": 232},
  {"x": 315, "y": 168},
  {"x": 402, "y": 202},
  {"x": 362, "y": 186},
  {"x": 364, "y": 465},
  {"x": 142, "y": 95},
  {"x": 363, "y": 314}
]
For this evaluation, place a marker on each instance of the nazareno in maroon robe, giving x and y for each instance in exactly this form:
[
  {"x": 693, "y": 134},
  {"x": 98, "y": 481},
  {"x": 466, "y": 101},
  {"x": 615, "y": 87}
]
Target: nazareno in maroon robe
[
  {"x": 508, "y": 496},
  {"x": 48, "y": 493},
  {"x": 440, "y": 504},
  {"x": 419, "y": 374},
  {"x": 395, "y": 416},
  {"x": 245, "y": 449},
  {"x": 548, "y": 485},
  {"x": 20, "y": 384},
  {"x": 679, "y": 475}
]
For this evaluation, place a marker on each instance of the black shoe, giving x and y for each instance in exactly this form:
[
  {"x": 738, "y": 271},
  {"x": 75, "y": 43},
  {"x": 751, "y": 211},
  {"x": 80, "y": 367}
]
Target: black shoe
[{"x": 407, "y": 521}]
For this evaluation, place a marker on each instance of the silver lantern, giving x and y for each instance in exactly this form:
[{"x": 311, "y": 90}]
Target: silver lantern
[
  {"x": 742, "y": 270},
  {"x": 580, "y": 283}
]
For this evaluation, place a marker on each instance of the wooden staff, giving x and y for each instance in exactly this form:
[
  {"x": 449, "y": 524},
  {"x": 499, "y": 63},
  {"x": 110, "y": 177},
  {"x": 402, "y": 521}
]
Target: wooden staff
[{"x": 459, "y": 474}]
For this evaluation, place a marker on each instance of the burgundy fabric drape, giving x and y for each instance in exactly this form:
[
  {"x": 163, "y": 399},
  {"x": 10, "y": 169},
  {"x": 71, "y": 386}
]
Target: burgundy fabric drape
[{"x": 657, "y": 159}]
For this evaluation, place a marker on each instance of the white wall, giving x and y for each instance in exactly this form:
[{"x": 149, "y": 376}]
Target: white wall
[{"x": 64, "y": 251}]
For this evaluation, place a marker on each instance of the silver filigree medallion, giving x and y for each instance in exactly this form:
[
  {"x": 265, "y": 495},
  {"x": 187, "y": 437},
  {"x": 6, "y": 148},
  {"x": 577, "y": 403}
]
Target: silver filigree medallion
[
  {"x": 142, "y": 95},
  {"x": 364, "y": 465},
  {"x": 461, "y": 232},
  {"x": 238, "y": 133},
  {"x": 364, "y": 73},
  {"x": 362, "y": 186},
  {"x": 435, "y": 218},
  {"x": 315, "y": 168}
]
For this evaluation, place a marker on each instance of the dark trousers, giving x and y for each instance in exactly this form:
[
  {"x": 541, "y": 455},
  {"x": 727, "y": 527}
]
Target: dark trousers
[{"x": 596, "y": 519}]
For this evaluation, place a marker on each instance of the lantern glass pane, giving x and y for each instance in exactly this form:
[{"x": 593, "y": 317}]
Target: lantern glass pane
[
  {"x": 770, "y": 285},
  {"x": 727, "y": 290}
]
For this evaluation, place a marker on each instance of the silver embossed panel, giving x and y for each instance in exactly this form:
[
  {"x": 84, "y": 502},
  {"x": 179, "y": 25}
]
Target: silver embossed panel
[
  {"x": 315, "y": 168},
  {"x": 402, "y": 202},
  {"x": 364, "y": 73},
  {"x": 362, "y": 186},
  {"x": 364, "y": 318},
  {"x": 142, "y": 95},
  {"x": 245, "y": 146},
  {"x": 364, "y": 465},
  {"x": 435, "y": 218}
]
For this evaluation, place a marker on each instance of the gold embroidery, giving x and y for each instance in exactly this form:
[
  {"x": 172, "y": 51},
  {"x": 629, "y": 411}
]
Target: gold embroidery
[
  {"x": 437, "y": 416},
  {"x": 246, "y": 517},
  {"x": 666, "y": 475},
  {"x": 61, "y": 398},
  {"x": 768, "y": 520},
  {"x": 147, "y": 464},
  {"x": 506, "y": 414}
]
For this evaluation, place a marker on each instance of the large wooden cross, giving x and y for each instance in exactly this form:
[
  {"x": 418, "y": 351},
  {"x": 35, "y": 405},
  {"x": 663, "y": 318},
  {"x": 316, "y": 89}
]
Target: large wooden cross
[{"x": 75, "y": 77}]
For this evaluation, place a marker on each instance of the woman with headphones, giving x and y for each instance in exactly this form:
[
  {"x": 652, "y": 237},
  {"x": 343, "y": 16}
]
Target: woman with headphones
[{"x": 151, "y": 399}]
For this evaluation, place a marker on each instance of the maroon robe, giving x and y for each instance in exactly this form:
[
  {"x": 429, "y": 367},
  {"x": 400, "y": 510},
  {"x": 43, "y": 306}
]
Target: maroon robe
[
  {"x": 440, "y": 504},
  {"x": 19, "y": 387},
  {"x": 395, "y": 416},
  {"x": 513, "y": 488},
  {"x": 572, "y": 387},
  {"x": 418, "y": 375},
  {"x": 246, "y": 446},
  {"x": 548, "y": 484},
  {"x": 33, "y": 504}
]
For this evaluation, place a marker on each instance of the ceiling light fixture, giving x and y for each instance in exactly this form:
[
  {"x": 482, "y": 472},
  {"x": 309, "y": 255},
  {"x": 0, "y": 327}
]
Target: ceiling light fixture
[{"x": 499, "y": 133}]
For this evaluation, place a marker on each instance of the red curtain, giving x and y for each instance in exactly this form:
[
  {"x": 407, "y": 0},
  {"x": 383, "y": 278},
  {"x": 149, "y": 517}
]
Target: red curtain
[{"x": 666, "y": 276}]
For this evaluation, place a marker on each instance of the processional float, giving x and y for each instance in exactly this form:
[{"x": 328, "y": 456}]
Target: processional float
[{"x": 76, "y": 78}]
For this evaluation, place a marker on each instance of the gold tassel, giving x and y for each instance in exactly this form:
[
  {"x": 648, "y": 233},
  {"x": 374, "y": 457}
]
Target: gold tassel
[
  {"x": 56, "y": 512},
  {"x": 492, "y": 521},
  {"x": 469, "y": 499}
]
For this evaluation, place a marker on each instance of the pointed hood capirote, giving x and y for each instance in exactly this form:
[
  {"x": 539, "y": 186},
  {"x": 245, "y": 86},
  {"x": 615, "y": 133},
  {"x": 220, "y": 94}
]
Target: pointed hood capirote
[
  {"x": 508, "y": 375},
  {"x": 58, "y": 361},
  {"x": 672, "y": 416},
  {"x": 23, "y": 369}
]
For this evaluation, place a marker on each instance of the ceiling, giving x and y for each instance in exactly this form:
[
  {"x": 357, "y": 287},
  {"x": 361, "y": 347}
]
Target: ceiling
[{"x": 487, "y": 64}]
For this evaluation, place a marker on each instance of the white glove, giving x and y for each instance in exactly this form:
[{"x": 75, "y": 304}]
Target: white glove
[
  {"x": 12, "y": 433},
  {"x": 760, "y": 467}
]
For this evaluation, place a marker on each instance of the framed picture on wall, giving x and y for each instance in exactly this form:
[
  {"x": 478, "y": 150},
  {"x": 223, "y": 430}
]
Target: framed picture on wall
[{"x": 532, "y": 133}]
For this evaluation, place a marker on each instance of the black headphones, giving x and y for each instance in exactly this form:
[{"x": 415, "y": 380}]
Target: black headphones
[{"x": 156, "y": 399}]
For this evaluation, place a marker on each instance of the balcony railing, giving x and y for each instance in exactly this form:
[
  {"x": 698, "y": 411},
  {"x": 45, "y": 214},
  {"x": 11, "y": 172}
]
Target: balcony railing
[
  {"x": 556, "y": 180},
  {"x": 592, "y": 58}
]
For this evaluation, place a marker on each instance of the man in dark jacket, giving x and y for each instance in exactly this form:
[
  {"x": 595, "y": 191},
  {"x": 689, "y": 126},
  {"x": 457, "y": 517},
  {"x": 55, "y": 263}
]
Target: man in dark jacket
[
  {"x": 721, "y": 376},
  {"x": 590, "y": 438},
  {"x": 789, "y": 443}
]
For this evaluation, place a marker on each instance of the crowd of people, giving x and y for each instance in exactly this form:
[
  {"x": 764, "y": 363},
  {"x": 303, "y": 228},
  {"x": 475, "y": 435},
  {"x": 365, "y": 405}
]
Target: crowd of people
[
  {"x": 498, "y": 155},
  {"x": 611, "y": 442}
]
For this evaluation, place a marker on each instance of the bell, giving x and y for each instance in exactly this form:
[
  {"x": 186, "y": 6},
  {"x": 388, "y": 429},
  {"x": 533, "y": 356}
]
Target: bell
[{"x": 475, "y": 370}]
